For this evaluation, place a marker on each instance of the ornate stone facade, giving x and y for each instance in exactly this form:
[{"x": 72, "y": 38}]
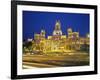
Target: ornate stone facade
[{"x": 58, "y": 42}]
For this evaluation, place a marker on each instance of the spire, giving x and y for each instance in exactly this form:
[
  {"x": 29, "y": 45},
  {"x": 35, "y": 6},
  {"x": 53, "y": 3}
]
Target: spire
[
  {"x": 43, "y": 32},
  {"x": 57, "y": 30},
  {"x": 58, "y": 25}
]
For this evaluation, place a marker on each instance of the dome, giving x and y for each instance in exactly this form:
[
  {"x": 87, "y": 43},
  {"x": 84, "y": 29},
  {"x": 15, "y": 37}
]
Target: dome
[{"x": 69, "y": 30}]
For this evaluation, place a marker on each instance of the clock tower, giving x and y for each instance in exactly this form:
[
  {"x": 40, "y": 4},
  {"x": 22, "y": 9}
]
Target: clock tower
[{"x": 57, "y": 31}]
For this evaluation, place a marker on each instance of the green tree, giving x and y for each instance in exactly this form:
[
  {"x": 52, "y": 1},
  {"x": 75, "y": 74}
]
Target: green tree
[
  {"x": 85, "y": 48},
  {"x": 28, "y": 45}
]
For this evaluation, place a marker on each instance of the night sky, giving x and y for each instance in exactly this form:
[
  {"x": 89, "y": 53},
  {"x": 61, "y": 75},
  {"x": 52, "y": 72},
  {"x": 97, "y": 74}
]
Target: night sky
[{"x": 34, "y": 21}]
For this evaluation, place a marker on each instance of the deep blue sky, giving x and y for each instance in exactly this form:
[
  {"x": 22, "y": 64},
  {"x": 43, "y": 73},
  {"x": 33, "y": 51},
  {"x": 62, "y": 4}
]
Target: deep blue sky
[{"x": 34, "y": 21}]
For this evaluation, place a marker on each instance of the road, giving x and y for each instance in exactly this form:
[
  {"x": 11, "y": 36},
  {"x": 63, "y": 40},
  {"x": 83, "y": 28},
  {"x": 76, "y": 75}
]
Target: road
[{"x": 58, "y": 60}]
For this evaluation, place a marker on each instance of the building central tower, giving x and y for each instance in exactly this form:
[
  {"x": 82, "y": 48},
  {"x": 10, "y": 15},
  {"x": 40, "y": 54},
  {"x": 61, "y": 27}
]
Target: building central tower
[{"x": 57, "y": 31}]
